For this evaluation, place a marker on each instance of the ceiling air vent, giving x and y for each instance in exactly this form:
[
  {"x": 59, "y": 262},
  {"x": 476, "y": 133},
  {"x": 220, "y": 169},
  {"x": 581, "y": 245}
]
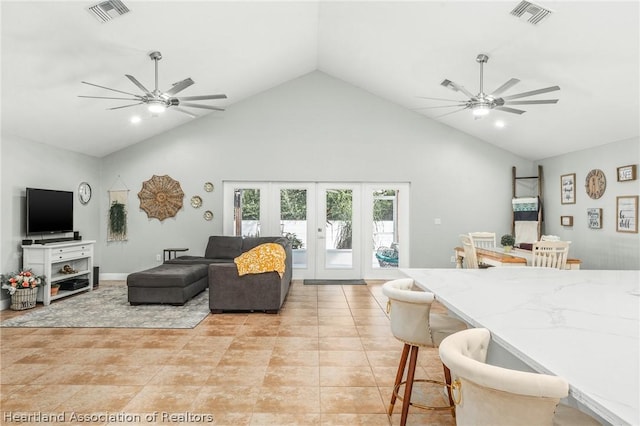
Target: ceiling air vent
[
  {"x": 530, "y": 12},
  {"x": 107, "y": 10}
]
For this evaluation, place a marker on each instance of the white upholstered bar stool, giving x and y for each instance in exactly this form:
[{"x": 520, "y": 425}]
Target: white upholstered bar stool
[
  {"x": 470, "y": 260},
  {"x": 485, "y": 394},
  {"x": 412, "y": 323},
  {"x": 550, "y": 254},
  {"x": 483, "y": 239}
]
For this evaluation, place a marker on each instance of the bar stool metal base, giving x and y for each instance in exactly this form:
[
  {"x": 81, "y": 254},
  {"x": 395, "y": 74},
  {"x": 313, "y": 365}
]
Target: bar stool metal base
[
  {"x": 415, "y": 404},
  {"x": 408, "y": 384}
]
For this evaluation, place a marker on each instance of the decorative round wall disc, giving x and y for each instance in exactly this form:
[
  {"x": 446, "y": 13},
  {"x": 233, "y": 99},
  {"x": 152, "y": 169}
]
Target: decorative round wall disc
[
  {"x": 208, "y": 187},
  {"x": 196, "y": 201},
  {"x": 161, "y": 197},
  {"x": 595, "y": 184},
  {"x": 208, "y": 215}
]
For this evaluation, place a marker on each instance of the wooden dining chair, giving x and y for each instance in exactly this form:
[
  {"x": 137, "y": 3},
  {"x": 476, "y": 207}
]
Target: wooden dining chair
[
  {"x": 483, "y": 239},
  {"x": 470, "y": 256},
  {"x": 550, "y": 254}
]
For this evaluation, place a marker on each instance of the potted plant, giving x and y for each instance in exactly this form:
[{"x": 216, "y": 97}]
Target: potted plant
[
  {"x": 507, "y": 241},
  {"x": 55, "y": 287},
  {"x": 23, "y": 288}
]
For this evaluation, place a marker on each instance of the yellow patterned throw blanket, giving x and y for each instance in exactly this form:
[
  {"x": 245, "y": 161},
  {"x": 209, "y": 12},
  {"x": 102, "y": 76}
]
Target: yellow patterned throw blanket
[{"x": 263, "y": 258}]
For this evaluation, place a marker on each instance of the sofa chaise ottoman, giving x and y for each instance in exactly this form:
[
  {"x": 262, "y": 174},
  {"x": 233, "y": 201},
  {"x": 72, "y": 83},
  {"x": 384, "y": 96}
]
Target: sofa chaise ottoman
[{"x": 173, "y": 284}]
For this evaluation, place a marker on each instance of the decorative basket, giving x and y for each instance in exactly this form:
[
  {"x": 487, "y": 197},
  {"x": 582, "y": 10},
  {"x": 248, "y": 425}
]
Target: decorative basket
[{"x": 24, "y": 298}]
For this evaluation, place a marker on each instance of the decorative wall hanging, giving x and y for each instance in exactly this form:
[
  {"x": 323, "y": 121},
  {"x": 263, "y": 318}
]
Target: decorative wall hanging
[
  {"x": 595, "y": 184},
  {"x": 161, "y": 197},
  {"x": 196, "y": 202},
  {"x": 568, "y": 189},
  {"x": 208, "y": 186},
  {"x": 627, "y": 214},
  {"x": 627, "y": 173},
  {"x": 595, "y": 218},
  {"x": 117, "y": 218},
  {"x": 208, "y": 215}
]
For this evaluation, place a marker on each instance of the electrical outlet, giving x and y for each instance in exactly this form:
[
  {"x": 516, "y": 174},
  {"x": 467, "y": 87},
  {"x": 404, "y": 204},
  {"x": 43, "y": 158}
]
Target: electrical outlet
[
  {"x": 158, "y": 258},
  {"x": 453, "y": 259}
]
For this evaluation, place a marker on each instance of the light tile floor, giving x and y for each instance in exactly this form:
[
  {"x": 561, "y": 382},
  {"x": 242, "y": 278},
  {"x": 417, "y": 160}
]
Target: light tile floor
[{"x": 328, "y": 358}]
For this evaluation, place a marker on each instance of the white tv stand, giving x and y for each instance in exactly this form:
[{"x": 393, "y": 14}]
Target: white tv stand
[{"x": 48, "y": 259}]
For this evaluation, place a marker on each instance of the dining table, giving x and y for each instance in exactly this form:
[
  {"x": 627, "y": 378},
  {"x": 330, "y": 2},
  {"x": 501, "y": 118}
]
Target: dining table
[
  {"x": 581, "y": 325},
  {"x": 498, "y": 256}
]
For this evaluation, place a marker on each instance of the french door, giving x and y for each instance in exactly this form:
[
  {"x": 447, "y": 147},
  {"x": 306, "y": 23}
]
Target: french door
[{"x": 338, "y": 230}]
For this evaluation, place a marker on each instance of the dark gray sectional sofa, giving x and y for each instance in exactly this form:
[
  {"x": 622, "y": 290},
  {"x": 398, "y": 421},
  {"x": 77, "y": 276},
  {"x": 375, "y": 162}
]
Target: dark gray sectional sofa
[{"x": 227, "y": 290}]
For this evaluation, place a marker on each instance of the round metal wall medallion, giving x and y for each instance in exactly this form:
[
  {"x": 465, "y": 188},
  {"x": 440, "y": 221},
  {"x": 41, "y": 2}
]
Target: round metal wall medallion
[
  {"x": 208, "y": 186},
  {"x": 196, "y": 202},
  {"x": 208, "y": 215}
]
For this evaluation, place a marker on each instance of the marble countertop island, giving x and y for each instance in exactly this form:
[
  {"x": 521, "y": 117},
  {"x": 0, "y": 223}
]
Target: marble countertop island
[{"x": 582, "y": 325}]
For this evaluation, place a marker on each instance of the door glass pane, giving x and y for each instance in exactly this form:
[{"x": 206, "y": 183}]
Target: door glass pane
[
  {"x": 385, "y": 229},
  {"x": 293, "y": 223},
  {"x": 338, "y": 228},
  {"x": 246, "y": 212}
]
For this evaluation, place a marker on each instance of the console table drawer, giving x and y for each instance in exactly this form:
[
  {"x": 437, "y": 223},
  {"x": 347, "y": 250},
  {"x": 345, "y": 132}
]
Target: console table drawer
[{"x": 70, "y": 253}]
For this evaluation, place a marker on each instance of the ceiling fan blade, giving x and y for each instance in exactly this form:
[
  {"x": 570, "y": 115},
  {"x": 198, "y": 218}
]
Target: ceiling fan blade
[
  {"x": 531, "y": 93},
  {"x": 439, "y": 99},
  {"x": 106, "y": 97},
  {"x": 191, "y": 105},
  {"x": 449, "y": 113},
  {"x": 541, "y": 101},
  {"x": 453, "y": 86},
  {"x": 184, "y": 111},
  {"x": 202, "y": 98},
  {"x": 442, "y": 106},
  {"x": 511, "y": 110},
  {"x": 509, "y": 84},
  {"x": 114, "y": 90},
  {"x": 140, "y": 86},
  {"x": 179, "y": 86},
  {"x": 126, "y": 106}
]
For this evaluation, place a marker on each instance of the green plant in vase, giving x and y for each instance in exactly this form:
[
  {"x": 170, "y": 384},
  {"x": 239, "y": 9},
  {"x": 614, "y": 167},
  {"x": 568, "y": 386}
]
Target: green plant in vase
[{"x": 507, "y": 241}]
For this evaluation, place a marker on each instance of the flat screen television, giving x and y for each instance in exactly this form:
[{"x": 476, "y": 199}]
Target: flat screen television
[{"x": 49, "y": 211}]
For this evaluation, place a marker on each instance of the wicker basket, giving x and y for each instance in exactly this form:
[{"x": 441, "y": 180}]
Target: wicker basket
[{"x": 24, "y": 298}]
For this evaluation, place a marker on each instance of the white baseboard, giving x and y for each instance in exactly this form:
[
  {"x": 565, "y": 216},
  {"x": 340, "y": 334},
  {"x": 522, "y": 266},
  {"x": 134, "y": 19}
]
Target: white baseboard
[{"x": 113, "y": 276}]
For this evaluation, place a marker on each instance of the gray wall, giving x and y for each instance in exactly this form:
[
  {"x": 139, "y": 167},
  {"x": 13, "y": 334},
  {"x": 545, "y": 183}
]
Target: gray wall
[
  {"x": 29, "y": 164},
  {"x": 597, "y": 248},
  {"x": 315, "y": 128}
]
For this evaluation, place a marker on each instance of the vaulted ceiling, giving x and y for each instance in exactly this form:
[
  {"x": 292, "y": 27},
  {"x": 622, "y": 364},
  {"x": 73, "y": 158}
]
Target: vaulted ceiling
[{"x": 399, "y": 51}]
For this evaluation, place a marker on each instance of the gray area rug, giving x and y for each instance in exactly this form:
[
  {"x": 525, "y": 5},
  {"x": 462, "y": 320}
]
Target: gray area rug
[
  {"x": 334, "y": 282},
  {"x": 107, "y": 307}
]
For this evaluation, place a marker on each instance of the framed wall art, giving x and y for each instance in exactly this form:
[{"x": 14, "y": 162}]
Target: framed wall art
[
  {"x": 594, "y": 217},
  {"x": 627, "y": 214},
  {"x": 568, "y": 189},
  {"x": 627, "y": 173},
  {"x": 566, "y": 220}
]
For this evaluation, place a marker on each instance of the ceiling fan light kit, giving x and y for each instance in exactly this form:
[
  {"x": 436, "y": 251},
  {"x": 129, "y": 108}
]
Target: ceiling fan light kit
[
  {"x": 482, "y": 103},
  {"x": 158, "y": 101}
]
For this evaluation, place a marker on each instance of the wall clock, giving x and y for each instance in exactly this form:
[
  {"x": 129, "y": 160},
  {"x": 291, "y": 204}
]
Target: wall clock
[
  {"x": 84, "y": 193},
  {"x": 595, "y": 184}
]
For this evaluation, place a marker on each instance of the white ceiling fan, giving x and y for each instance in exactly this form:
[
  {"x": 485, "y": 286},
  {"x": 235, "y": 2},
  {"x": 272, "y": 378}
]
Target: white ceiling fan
[
  {"x": 482, "y": 103},
  {"x": 159, "y": 101}
]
